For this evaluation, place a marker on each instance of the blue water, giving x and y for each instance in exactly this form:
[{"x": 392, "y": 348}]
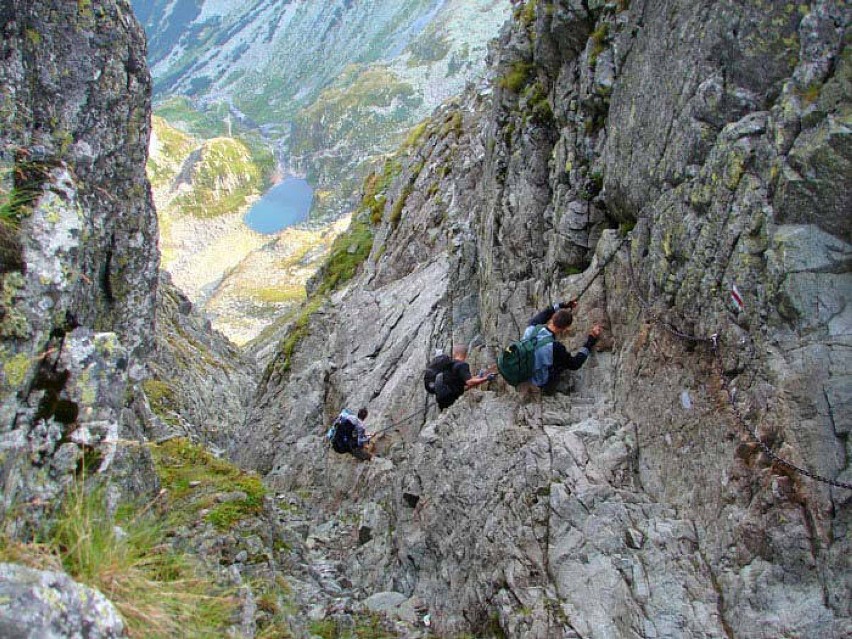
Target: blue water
[{"x": 285, "y": 204}]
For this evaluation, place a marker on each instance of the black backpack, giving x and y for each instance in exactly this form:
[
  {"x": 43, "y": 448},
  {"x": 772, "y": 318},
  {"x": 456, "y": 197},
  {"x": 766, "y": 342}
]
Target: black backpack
[
  {"x": 442, "y": 364},
  {"x": 449, "y": 385},
  {"x": 344, "y": 439}
]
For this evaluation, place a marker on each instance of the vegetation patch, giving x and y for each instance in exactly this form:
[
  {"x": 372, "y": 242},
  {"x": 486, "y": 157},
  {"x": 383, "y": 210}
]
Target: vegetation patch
[
  {"x": 810, "y": 93},
  {"x": 174, "y": 146},
  {"x": 517, "y": 77},
  {"x": 359, "y": 108},
  {"x": 274, "y": 603},
  {"x": 527, "y": 13},
  {"x": 452, "y": 124},
  {"x": 15, "y": 370},
  {"x": 20, "y": 190},
  {"x": 297, "y": 332},
  {"x": 367, "y": 626},
  {"x": 161, "y": 399},
  {"x": 375, "y": 190},
  {"x": 625, "y": 228},
  {"x": 225, "y": 175},
  {"x": 159, "y": 592},
  {"x": 396, "y": 211},
  {"x": 196, "y": 480},
  {"x": 415, "y": 135},
  {"x": 598, "y": 37},
  {"x": 278, "y": 294},
  {"x": 347, "y": 253},
  {"x": 538, "y": 104},
  {"x": 180, "y": 113}
]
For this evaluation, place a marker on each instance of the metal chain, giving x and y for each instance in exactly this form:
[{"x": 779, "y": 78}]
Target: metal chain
[
  {"x": 393, "y": 425},
  {"x": 602, "y": 266},
  {"x": 753, "y": 433},
  {"x": 399, "y": 422},
  {"x": 713, "y": 340}
]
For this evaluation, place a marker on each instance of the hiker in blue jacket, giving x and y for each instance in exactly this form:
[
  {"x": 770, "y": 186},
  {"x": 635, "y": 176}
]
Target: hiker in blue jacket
[{"x": 552, "y": 357}]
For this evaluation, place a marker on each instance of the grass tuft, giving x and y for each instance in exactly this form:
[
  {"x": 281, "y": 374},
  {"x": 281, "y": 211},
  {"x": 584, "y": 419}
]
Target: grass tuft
[
  {"x": 517, "y": 77},
  {"x": 598, "y": 37},
  {"x": 194, "y": 479},
  {"x": 159, "y": 592}
]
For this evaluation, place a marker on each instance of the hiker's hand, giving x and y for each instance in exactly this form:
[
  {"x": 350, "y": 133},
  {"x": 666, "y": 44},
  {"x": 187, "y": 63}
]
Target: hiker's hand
[
  {"x": 596, "y": 331},
  {"x": 491, "y": 377},
  {"x": 572, "y": 304}
]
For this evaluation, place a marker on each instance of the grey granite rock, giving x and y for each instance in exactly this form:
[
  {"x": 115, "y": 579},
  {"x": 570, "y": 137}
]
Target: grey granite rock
[{"x": 36, "y": 604}]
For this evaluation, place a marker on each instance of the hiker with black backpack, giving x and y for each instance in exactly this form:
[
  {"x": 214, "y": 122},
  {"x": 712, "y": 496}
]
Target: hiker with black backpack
[
  {"x": 449, "y": 377},
  {"x": 349, "y": 435},
  {"x": 539, "y": 357}
]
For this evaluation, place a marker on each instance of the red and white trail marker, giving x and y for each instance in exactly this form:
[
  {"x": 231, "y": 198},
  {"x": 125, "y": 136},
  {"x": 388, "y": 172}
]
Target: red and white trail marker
[{"x": 736, "y": 298}]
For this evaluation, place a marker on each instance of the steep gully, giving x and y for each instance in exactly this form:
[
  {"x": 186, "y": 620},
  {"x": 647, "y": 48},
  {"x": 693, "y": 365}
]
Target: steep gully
[{"x": 668, "y": 514}]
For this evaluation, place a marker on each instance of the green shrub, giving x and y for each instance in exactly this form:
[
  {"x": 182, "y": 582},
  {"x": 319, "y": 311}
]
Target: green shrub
[
  {"x": 625, "y": 227},
  {"x": 396, "y": 211},
  {"x": 375, "y": 190},
  {"x": 347, "y": 253},
  {"x": 527, "y": 15},
  {"x": 26, "y": 180},
  {"x": 453, "y": 124},
  {"x": 161, "y": 399},
  {"x": 367, "y": 626},
  {"x": 598, "y": 37},
  {"x": 538, "y": 103},
  {"x": 517, "y": 77},
  {"x": 415, "y": 135}
]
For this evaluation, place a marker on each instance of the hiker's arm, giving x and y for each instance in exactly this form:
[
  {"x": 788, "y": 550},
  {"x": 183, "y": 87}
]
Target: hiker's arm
[
  {"x": 487, "y": 376},
  {"x": 563, "y": 359},
  {"x": 542, "y": 317},
  {"x": 475, "y": 381}
]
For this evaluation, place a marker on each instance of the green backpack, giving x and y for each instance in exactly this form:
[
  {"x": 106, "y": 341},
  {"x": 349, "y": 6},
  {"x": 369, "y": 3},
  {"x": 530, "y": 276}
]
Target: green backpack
[{"x": 517, "y": 361}]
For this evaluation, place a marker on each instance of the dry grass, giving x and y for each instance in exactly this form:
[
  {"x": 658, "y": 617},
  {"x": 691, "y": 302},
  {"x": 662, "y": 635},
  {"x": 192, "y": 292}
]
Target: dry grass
[{"x": 159, "y": 592}]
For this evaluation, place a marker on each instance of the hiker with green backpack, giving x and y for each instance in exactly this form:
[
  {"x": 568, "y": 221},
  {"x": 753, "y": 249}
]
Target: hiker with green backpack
[{"x": 539, "y": 357}]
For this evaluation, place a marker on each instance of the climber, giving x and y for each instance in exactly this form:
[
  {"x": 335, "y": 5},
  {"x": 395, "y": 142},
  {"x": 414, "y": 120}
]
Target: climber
[
  {"x": 448, "y": 378},
  {"x": 552, "y": 358},
  {"x": 349, "y": 435}
]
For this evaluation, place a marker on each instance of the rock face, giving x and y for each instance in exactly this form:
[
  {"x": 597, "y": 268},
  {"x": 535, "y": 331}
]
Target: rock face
[
  {"x": 49, "y": 605},
  {"x": 97, "y": 121},
  {"x": 638, "y": 504},
  {"x": 80, "y": 257},
  {"x": 201, "y": 384}
]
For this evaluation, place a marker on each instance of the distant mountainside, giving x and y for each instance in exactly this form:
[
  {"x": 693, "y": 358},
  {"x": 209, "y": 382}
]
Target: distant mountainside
[
  {"x": 330, "y": 87},
  {"x": 270, "y": 57}
]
